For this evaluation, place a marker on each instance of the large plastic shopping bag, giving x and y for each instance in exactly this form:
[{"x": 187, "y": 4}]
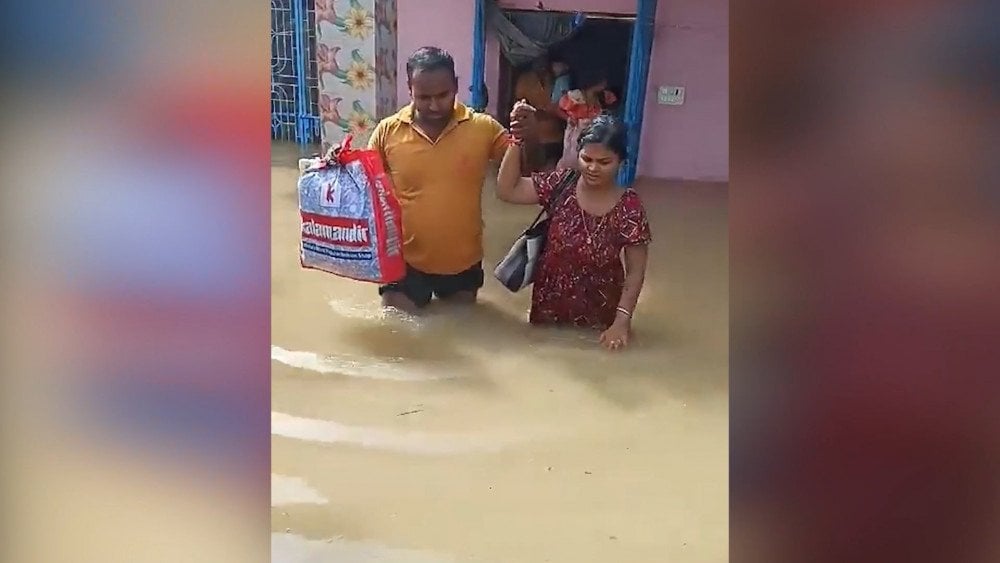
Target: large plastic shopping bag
[{"x": 351, "y": 222}]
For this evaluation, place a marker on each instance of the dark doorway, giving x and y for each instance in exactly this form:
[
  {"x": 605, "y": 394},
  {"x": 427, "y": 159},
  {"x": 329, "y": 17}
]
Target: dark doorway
[{"x": 603, "y": 44}]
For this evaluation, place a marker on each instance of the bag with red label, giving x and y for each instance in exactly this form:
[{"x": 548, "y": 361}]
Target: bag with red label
[{"x": 351, "y": 220}]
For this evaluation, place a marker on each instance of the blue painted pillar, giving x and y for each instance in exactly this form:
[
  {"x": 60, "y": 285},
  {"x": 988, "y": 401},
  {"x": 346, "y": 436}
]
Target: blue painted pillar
[
  {"x": 299, "y": 49},
  {"x": 477, "y": 85},
  {"x": 635, "y": 97}
]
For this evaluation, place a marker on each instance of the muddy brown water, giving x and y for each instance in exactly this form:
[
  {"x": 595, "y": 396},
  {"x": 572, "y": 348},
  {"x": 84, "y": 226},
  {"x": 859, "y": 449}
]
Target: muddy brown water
[{"x": 467, "y": 435}]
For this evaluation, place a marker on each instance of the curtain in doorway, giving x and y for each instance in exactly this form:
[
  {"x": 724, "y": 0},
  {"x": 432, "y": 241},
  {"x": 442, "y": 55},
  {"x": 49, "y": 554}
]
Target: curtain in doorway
[{"x": 525, "y": 36}]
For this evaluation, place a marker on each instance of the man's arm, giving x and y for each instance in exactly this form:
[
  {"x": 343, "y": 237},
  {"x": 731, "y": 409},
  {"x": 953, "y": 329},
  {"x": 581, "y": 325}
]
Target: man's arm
[
  {"x": 377, "y": 139},
  {"x": 501, "y": 140}
]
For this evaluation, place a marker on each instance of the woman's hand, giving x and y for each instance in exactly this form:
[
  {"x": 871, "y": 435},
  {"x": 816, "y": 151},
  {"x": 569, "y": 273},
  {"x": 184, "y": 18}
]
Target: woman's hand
[
  {"x": 522, "y": 121},
  {"x": 520, "y": 110},
  {"x": 617, "y": 335}
]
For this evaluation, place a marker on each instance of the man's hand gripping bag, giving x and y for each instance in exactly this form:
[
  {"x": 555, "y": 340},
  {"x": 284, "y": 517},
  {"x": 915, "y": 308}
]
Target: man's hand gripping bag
[{"x": 351, "y": 223}]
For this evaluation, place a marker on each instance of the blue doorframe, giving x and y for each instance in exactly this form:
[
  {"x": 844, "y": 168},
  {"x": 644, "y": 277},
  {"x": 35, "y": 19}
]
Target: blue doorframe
[
  {"x": 635, "y": 88},
  {"x": 477, "y": 84}
]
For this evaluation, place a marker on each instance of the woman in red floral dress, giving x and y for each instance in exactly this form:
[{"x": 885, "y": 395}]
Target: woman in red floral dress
[{"x": 581, "y": 279}]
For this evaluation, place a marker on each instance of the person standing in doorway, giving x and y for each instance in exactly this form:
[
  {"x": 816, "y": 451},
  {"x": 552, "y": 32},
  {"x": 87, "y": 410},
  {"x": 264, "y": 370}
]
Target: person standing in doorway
[
  {"x": 563, "y": 81},
  {"x": 437, "y": 151},
  {"x": 581, "y": 106},
  {"x": 535, "y": 86}
]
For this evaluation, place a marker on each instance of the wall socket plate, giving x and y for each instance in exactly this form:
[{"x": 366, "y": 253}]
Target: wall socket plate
[{"x": 670, "y": 95}]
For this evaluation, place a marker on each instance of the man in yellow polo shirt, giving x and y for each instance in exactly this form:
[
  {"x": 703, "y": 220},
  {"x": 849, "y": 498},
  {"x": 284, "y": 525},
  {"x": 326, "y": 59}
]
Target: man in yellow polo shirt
[{"x": 438, "y": 151}]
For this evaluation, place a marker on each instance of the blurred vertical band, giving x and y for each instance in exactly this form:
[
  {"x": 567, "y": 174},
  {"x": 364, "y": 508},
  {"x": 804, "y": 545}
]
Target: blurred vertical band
[
  {"x": 865, "y": 228},
  {"x": 135, "y": 166}
]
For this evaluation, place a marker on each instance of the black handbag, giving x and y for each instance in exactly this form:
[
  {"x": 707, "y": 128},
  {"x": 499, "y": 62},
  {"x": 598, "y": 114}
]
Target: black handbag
[{"x": 517, "y": 269}]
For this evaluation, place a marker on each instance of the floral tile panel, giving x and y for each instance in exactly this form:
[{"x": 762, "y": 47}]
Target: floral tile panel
[{"x": 352, "y": 79}]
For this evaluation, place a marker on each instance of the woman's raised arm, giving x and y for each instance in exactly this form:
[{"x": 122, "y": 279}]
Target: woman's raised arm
[{"x": 511, "y": 186}]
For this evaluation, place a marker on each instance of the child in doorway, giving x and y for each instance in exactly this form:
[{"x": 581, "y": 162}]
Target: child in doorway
[
  {"x": 587, "y": 103},
  {"x": 581, "y": 106},
  {"x": 562, "y": 82}
]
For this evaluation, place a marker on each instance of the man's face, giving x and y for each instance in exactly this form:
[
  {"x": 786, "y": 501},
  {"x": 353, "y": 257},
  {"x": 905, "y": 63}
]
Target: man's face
[{"x": 433, "y": 95}]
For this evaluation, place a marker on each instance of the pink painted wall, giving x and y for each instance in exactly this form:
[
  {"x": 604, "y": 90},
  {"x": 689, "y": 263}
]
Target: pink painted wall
[{"x": 691, "y": 49}]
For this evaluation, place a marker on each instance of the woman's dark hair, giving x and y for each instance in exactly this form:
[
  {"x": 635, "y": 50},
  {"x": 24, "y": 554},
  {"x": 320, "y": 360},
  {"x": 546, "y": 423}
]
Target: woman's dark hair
[
  {"x": 427, "y": 59},
  {"x": 606, "y": 130}
]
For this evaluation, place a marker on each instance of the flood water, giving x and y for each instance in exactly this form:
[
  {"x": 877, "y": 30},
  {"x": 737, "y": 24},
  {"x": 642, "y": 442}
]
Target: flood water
[{"x": 467, "y": 435}]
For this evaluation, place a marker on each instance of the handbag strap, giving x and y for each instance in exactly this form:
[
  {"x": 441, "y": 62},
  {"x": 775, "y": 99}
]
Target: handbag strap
[{"x": 557, "y": 193}]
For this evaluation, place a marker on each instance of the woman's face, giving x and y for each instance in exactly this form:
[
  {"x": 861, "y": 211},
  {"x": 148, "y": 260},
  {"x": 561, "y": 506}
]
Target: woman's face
[{"x": 598, "y": 164}]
